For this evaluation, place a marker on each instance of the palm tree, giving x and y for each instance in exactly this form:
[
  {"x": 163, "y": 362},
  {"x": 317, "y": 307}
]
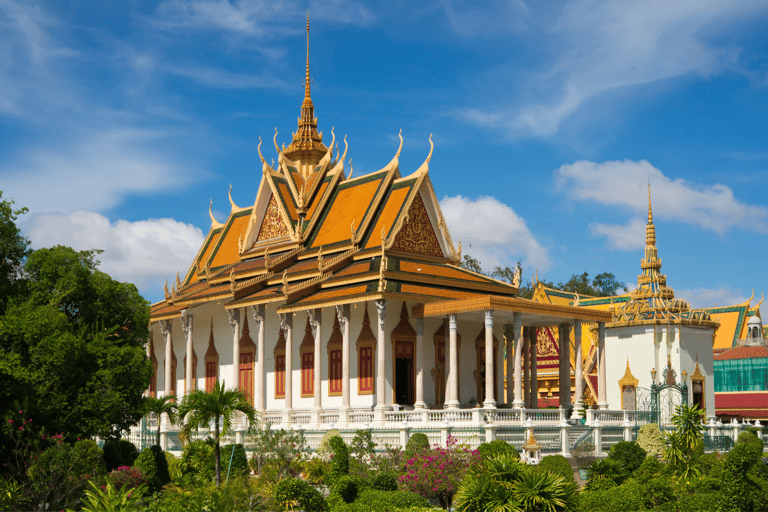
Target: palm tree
[
  {"x": 199, "y": 408},
  {"x": 158, "y": 406}
]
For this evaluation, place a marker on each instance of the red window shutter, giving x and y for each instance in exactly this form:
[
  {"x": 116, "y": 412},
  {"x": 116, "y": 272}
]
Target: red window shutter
[
  {"x": 308, "y": 373},
  {"x": 334, "y": 385},
  {"x": 280, "y": 376}
]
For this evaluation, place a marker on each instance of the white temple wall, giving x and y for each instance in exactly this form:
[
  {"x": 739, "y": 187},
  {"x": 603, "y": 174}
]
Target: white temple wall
[
  {"x": 696, "y": 342},
  {"x": 633, "y": 344}
]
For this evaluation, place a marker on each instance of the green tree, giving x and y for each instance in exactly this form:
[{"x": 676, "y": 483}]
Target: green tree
[
  {"x": 471, "y": 263},
  {"x": 199, "y": 408},
  {"x": 159, "y": 406},
  {"x": 72, "y": 346},
  {"x": 13, "y": 250}
]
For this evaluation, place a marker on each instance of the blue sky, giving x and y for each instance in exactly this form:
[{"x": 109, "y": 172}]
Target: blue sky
[{"x": 120, "y": 120}]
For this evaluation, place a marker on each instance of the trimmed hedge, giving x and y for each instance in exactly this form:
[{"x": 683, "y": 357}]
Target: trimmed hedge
[
  {"x": 153, "y": 463},
  {"x": 239, "y": 459},
  {"x": 558, "y": 465},
  {"x": 374, "y": 500},
  {"x": 118, "y": 453},
  {"x": 295, "y": 489},
  {"x": 340, "y": 460},
  {"x": 496, "y": 447},
  {"x": 629, "y": 453}
]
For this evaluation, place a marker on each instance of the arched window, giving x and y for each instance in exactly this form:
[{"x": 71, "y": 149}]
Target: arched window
[
  {"x": 211, "y": 363},
  {"x": 366, "y": 347},
  {"x": 247, "y": 356},
  {"x": 307, "y": 354},
  {"x": 334, "y": 359},
  {"x": 280, "y": 365}
]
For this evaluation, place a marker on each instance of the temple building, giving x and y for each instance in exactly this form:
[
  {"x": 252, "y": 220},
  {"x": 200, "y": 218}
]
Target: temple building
[
  {"x": 652, "y": 338},
  {"x": 336, "y": 299}
]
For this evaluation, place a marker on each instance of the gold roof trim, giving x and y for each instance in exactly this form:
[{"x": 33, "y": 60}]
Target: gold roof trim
[
  {"x": 697, "y": 375},
  {"x": 628, "y": 379}
]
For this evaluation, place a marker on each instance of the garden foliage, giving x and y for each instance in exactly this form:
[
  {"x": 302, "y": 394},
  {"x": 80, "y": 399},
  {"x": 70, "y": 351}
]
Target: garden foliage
[
  {"x": 294, "y": 491},
  {"x": 629, "y": 453},
  {"x": 153, "y": 463}
]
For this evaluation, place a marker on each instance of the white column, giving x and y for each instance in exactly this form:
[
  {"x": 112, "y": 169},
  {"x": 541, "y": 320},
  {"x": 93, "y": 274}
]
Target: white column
[
  {"x": 517, "y": 400},
  {"x": 381, "y": 309},
  {"x": 419, "y": 404},
  {"x": 490, "y": 363},
  {"x": 565, "y": 357},
  {"x": 234, "y": 321},
  {"x": 453, "y": 385},
  {"x": 166, "y": 327},
  {"x": 343, "y": 314},
  {"x": 579, "y": 370},
  {"x": 316, "y": 323},
  {"x": 601, "y": 381},
  {"x": 526, "y": 368},
  {"x": 534, "y": 368},
  {"x": 286, "y": 324},
  {"x": 259, "y": 374},
  {"x": 186, "y": 326}
]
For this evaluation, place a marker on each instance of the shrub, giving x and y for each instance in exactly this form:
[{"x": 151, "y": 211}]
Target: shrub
[
  {"x": 111, "y": 498},
  {"x": 276, "y": 453},
  {"x": 711, "y": 464},
  {"x": 340, "y": 460},
  {"x": 196, "y": 461},
  {"x": 437, "y": 472},
  {"x": 346, "y": 488},
  {"x": 325, "y": 450},
  {"x": 316, "y": 470},
  {"x": 119, "y": 452},
  {"x": 293, "y": 490},
  {"x": 751, "y": 439},
  {"x": 384, "y": 481},
  {"x": 417, "y": 443},
  {"x": 628, "y": 453},
  {"x": 128, "y": 476},
  {"x": 558, "y": 465},
  {"x": 699, "y": 502},
  {"x": 607, "y": 468},
  {"x": 362, "y": 445},
  {"x": 584, "y": 454},
  {"x": 658, "y": 492},
  {"x": 59, "y": 475},
  {"x": 648, "y": 469},
  {"x": 239, "y": 465},
  {"x": 496, "y": 447},
  {"x": 630, "y": 496},
  {"x": 153, "y": 463},
  {"x": 374, "y": 500},
  {"x": 174, "y": 465},
  {"x": 651, "y": 439},
  {"x": 737, "y": 490}
]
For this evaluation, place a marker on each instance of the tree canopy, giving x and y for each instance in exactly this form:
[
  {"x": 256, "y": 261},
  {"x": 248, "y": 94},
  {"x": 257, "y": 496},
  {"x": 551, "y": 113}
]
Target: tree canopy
[
  {"x": 603, "y": 285},
  {"x": 72, "y": 340}
]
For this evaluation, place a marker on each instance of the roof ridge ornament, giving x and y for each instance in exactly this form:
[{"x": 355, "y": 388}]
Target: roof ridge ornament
[
  {"x": 214, "y": 223},
  {"x": 231, "y": 202}
]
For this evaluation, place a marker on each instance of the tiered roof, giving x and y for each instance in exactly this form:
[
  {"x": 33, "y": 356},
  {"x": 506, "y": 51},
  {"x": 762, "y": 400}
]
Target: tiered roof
[{"x": 316, "y": 237}]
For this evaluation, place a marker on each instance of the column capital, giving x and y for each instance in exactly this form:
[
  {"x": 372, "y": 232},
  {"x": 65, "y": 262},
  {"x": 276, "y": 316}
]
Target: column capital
[
  {"x": 186, "y": 321},
  {"x": 166, "y": 327},
  {"x": 315, "y": 317},
  {"x": 381, "y": 307},
  {"x": 419, "y": 325},
  {"x": 488, "y": 316},
  {"x": 258, "y": 313},
  {"x": 286, "y": 321},
  {"x": 234, "y": 318},
  {"x": 342, "y": 312}
]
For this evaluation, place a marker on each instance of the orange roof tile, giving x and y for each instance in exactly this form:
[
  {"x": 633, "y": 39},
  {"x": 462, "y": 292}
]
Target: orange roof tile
[
  {"x": 744, "y": 352},
  {"x": 350, "y": 203},
  {"x": 439, "y": 270},
  {"x": 208, "y": 249},
  {"x": 227, "y": 250},
  {"x": 388, "y": 214}
]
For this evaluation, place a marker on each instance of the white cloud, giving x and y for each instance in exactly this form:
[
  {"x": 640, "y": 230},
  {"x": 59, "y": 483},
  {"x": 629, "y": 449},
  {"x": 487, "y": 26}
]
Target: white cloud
[
  {"x": 497, "y": 235},
  {"x": 253, "y": 18},
  {"x": 145, "y": 252},
  {"x": 94, "y": 173},
  {"x": 605, "y": 47},
  {"x": 624, "y": 184},
  {"x": 628, "y": 237}
]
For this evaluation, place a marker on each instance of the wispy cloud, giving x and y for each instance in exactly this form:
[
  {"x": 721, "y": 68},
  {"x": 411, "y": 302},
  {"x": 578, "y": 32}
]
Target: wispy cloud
[
  {"x": 624, "y": 184},
  {"x": 145, "y": 253},
  {"x": 602, "y": 47},
  {"x": 496, "y": 234},
  {"x": 258, "y": 19}
]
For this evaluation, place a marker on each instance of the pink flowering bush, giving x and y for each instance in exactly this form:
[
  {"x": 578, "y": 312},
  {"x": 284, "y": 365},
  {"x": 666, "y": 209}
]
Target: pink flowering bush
[
  {"x": 436, "y": 473},
  {"x": 129, "y": 476}
]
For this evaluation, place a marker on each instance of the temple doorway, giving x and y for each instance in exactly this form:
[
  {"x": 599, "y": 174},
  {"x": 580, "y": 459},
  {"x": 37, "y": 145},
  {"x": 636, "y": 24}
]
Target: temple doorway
[{"x": 404, "y": 373}]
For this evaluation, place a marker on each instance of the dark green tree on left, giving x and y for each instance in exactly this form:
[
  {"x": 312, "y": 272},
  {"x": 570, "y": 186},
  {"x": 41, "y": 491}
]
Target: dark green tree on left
[{"x": 72, "y": 339}]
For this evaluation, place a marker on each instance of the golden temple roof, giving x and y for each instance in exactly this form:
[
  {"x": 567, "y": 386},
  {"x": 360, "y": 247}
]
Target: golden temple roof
[{"x": 316, "y": 236}]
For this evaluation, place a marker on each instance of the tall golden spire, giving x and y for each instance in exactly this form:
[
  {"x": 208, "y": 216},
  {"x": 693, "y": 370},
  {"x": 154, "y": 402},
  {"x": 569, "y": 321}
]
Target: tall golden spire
[{"x": 307, "y": 143}]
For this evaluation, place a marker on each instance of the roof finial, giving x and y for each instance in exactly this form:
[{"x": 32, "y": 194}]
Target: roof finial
[
  {"x": 306, "y": 81},
  {"x": 650, "y": 212}
]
